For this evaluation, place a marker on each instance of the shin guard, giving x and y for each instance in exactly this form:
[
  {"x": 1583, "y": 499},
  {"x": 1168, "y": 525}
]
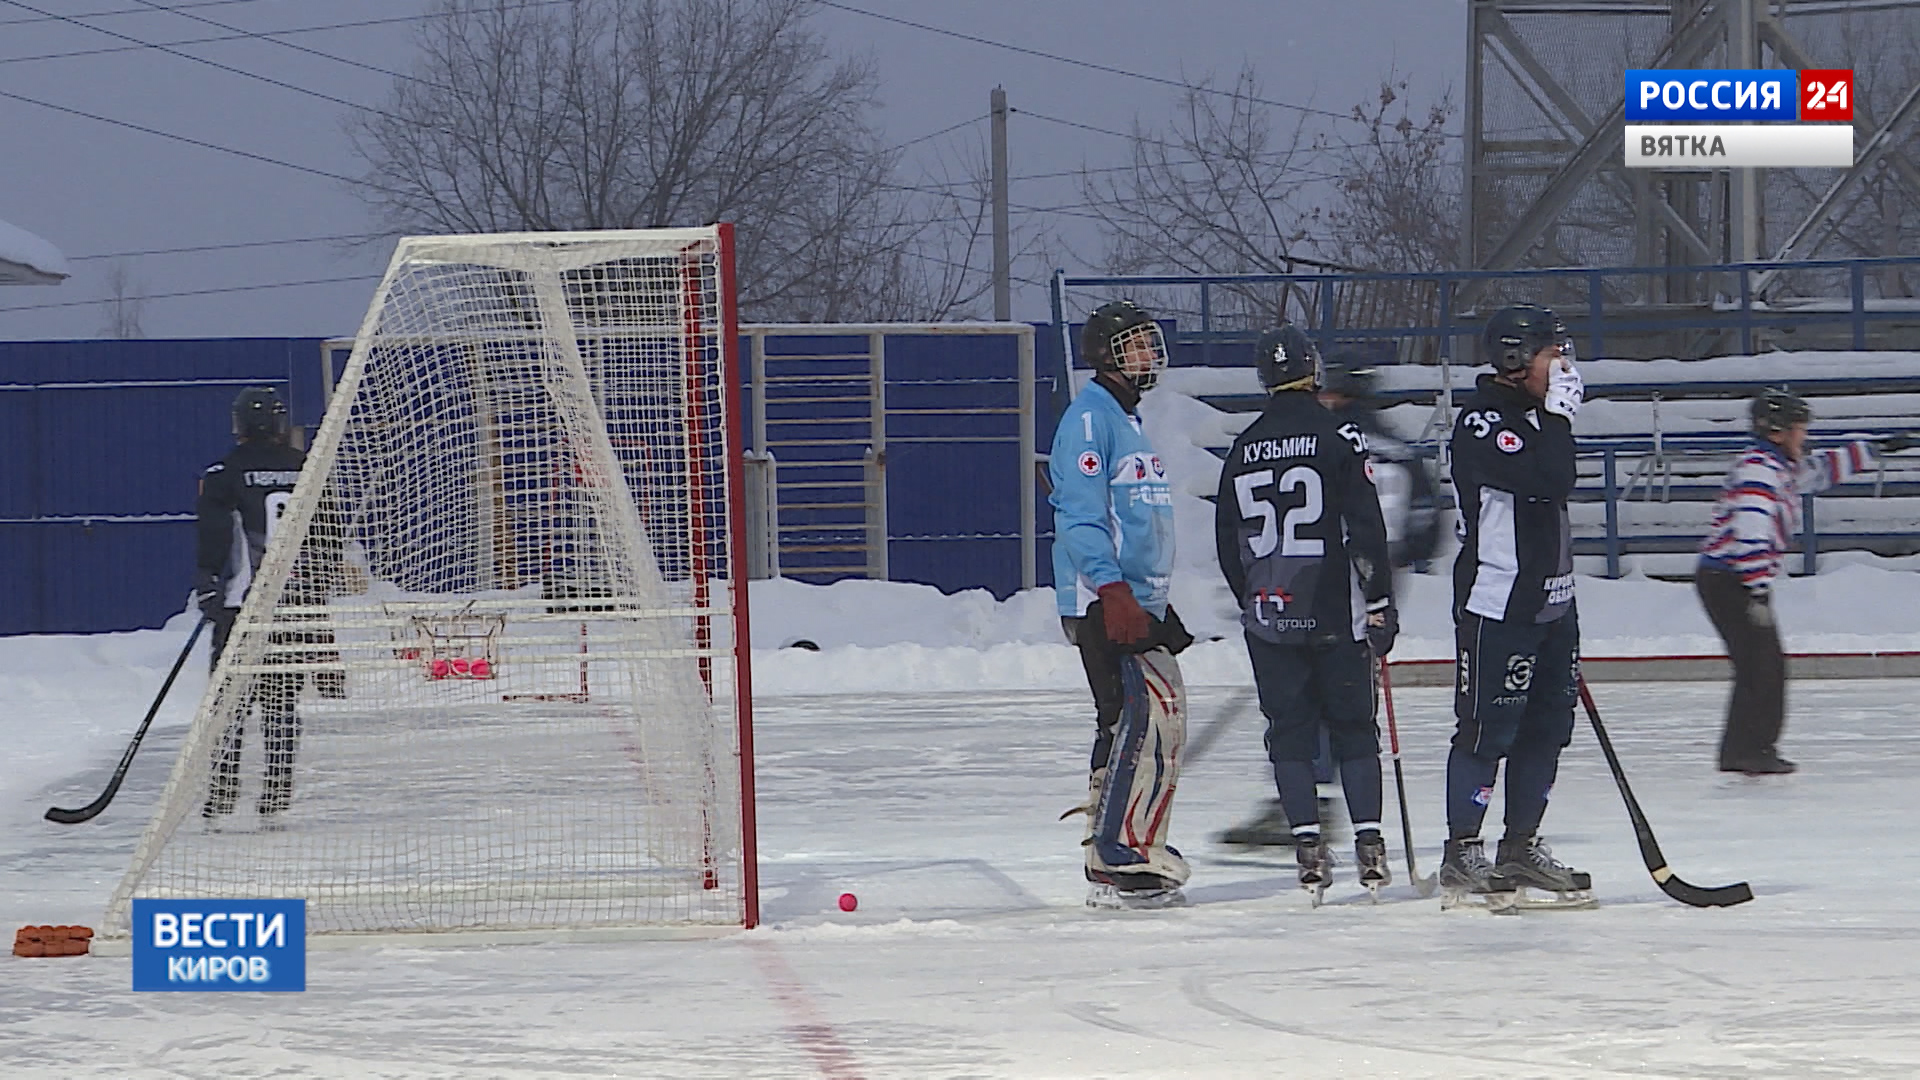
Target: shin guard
[{"x": 1133, "y": 812}]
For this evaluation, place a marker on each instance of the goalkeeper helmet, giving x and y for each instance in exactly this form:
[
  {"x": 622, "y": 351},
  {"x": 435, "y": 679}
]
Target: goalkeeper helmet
[
  {"x": 1287, "y": 359},
  {"x": 1515, "y": 334},
  {"x": 1777, "y": 410},
  {"x": 1121, "y": 338},
  {"x": 258, "y": 413}
]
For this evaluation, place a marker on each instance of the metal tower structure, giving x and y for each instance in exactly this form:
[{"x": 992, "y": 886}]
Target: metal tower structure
[{"x": 1544, "y": 182}]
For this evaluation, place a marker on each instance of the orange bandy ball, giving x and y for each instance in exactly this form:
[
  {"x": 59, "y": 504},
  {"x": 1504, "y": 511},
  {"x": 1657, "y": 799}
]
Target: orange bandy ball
[{"x": 848, "y": 901}]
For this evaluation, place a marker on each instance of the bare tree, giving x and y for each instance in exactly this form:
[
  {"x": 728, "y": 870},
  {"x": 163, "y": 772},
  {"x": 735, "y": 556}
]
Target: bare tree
[
  {"x": 1230, "y": 190},
  {"x": 1220, "y": 192},
  {"x": 1396, "y": 206},
  {"x": 612, "y": 114},
  {"x": 123, "y": 305}
]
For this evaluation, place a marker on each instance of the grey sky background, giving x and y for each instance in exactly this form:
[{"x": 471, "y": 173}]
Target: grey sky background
[{"x": 96, "y": 188}]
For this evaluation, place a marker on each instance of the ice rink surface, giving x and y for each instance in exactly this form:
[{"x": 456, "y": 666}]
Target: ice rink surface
[{"x": 971, "y": 955}]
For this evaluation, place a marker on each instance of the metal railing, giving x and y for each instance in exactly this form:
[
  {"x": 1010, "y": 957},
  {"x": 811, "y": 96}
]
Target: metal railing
[{"x": 1432, "y": 317}]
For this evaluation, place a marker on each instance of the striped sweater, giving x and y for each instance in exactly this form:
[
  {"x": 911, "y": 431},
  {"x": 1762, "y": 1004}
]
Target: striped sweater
[{"x": 1759, "y": 507}]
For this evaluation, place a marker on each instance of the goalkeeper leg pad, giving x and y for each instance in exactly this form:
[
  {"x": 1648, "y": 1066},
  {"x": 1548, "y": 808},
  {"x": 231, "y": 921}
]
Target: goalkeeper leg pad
[{"x": 1133, "y": 810}]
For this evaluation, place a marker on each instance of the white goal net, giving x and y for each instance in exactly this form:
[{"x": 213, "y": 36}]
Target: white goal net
[{"x": 490, "y": 675}]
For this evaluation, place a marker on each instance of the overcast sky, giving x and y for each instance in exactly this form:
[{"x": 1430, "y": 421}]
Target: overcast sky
[{"x": 107, "y": 194}]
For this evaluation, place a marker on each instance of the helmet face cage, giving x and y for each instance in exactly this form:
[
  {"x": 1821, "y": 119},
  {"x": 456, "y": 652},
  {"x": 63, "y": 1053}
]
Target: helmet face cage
[{"x": 1139, "y": 353}]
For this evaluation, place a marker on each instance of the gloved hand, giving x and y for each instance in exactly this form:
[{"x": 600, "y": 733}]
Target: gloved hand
[
  {"x": 1126, "y": 621},
  {"x": 1760, "y": 607},
  {"x": 1565, "y": 390},
  {"x": 1383, "y": 626},
  {"x": 1893, "y": 444},
  {"x": 208, "y": 596}
]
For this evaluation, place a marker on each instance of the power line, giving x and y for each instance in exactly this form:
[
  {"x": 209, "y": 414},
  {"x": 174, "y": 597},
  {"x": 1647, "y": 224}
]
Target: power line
[
  {"x": 273, "y": 39},
  {"x": 125, "y": 11},
  {"x": 198, "y": 292},
  {"x": 204, "y": 145},
  {"x": 937, "y": 134},
  {"x": 342, "y": 238},
  {"x": 1076, "y": 63},
  {"x": 170, "y": 51},
  {"x": 355, "y": 25},
  {"x": 1309, "y": 173}
]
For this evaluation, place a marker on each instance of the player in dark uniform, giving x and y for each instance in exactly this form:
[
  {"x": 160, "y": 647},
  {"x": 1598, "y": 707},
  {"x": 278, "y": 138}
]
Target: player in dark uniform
[
  {"x": 1516, "y": 630},
  {"x": 1300, "y": 539},
  {"x": 242, "y": 499}
]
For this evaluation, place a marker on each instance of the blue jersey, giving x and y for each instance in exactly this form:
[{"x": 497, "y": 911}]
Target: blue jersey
[{"x": 1112, "y": 506}]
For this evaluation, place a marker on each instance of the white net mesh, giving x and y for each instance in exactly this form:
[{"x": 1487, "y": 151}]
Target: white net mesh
[{"x": 485, "y": 678}]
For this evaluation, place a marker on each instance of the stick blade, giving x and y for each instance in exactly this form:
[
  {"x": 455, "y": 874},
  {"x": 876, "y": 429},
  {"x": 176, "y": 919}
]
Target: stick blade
[
  {"x": 1703, "y": 896},
  {"x": 71, "y": 817},
  {"x": 1425, "y": 887}
]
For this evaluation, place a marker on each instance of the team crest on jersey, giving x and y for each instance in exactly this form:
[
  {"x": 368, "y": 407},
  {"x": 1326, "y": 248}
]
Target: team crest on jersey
[
  {"x": 1090, "y": 463},
  {"x": 1139, "y": 469},
  {"x": 1508, "y": 442},
  {"x": 1159, "y": 470}
]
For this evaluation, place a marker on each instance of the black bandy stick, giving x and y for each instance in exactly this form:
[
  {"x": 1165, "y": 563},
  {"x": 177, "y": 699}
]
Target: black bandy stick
[
  {"x": 93, "y": 809},
  {"x": 1694, "y": 895},
  {"x": 1426, "y": 886}
]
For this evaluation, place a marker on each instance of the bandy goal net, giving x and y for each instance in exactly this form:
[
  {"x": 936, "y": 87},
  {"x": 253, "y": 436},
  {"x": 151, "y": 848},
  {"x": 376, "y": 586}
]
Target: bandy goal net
[{"x": 491, "y": 675}]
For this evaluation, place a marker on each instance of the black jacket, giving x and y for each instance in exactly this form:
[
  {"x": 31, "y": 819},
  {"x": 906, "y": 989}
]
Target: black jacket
[
  {"x": 242, "y": 497},
  {"x": 1409, "y": 501},
  {"x": 1297, "y": 525},
  {"x": 1513, "y": 468}
]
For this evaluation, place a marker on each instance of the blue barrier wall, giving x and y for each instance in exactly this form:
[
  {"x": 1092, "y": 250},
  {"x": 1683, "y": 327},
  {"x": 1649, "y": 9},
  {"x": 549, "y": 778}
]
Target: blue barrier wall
[{"x": 104, "y": 443}]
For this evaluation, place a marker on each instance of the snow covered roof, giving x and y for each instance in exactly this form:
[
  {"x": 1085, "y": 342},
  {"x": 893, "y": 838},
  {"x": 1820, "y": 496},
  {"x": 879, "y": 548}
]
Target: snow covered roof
[{"x": 25, "y": 259}]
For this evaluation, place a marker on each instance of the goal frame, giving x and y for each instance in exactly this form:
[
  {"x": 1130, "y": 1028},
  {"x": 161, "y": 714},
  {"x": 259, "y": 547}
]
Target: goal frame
[{"x": 699, "y": 357}]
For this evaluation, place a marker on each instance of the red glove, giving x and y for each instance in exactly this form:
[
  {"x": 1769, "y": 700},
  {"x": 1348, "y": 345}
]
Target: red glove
[{"x": 1125, "y": 619}]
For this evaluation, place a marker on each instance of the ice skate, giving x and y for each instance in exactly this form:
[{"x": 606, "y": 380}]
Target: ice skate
[
  {"x": 1466, "y": 878},
  {"x": 1528, "y": 872},
  {"x": 1370, "y": 857},
  {"x": 1114, "y": 891},
  {"x": 1269, "y": 829},
  {"x": 1761, "y": 765},
  {"x": 1316, "y": 865}
]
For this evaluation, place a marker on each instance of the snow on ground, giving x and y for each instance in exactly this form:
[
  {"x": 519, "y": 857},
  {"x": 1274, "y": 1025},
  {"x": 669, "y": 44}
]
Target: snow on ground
[
  {"x": 919, "y": 754},
  {"x": 926, "y": 774}
]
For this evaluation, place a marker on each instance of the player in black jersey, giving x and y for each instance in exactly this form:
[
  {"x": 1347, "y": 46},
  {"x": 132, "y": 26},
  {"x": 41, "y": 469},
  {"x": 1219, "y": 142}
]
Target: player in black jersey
[
  {"x": 1516, "y": 628},
  {"x": 1300, "y": 539},
  {"x": 243, "y": 497}
]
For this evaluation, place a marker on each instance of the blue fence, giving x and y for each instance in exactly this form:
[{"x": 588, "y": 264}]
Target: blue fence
[{"x": 104, "y": 443}]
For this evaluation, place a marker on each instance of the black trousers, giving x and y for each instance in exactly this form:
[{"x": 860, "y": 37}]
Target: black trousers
[
  {"x": 274, "y": 696},
  {"x": 1758, "y": 708}
]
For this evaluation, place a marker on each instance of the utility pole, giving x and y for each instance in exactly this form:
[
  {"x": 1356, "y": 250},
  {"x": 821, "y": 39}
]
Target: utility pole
[{"x": 1002, "y": 242}]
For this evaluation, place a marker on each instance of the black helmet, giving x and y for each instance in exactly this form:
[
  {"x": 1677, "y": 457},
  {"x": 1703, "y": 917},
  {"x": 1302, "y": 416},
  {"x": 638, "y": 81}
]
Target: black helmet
[
  {"x": 1287, "y": 359},
  {"x": 258, "y": 413},
  {"x": 1514, "y": 334},
  {"x": 1777, "y": 410},
  {"x": 1117, "y": 331},
  {"x": 1349, "y": 374}
]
